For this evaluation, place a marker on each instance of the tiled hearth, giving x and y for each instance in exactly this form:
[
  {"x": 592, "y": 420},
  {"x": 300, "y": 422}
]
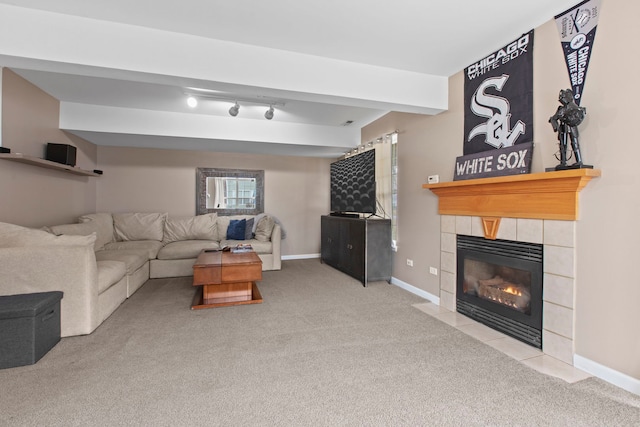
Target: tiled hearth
[
  {"x": 524, "y": 353},
  {"x": 558, "y": 240}
]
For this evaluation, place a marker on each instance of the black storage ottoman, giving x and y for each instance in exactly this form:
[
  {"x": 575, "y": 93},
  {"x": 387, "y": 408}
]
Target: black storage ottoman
[{"x": 29, "y": 327}]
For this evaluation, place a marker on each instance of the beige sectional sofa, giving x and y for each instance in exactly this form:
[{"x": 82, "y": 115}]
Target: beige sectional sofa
[{"x": 104, "y": 258}]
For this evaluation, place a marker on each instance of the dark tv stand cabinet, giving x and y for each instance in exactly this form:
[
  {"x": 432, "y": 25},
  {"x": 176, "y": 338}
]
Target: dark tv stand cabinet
[{"x": 358, "y": 247}]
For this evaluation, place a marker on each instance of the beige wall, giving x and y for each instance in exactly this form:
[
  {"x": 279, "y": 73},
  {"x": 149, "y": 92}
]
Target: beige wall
[
  {"x": 423, "y": 144},
  {"x": 607, "y": 288},
  {"x": 296, "y": 188},
  {"x": 154, "y": 180},
  {"x": 33, "y": 196}
]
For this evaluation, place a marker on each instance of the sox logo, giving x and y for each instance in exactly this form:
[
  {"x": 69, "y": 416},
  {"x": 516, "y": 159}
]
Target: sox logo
[{"x": 497, "y": 128}]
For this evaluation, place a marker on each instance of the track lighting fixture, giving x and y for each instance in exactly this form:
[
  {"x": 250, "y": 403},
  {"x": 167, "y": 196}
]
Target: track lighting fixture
[
  {"x": 196, "y": 95},
  {"x": 269, "y": 114},
  {"x": 383, "y": 139},
  {"x": 233, "y": 111},
  {"x": 390, "y": 137}
]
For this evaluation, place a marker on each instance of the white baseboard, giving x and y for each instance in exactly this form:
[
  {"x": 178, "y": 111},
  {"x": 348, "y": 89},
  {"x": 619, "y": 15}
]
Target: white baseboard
[
  {"x": 423, "y": 294},
  {"x": 607, "y": 374},
  {"x": 301, "y": 256}
]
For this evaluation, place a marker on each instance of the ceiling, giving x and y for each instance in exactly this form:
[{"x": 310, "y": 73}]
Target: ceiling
[{"x": 122, "y": 69}]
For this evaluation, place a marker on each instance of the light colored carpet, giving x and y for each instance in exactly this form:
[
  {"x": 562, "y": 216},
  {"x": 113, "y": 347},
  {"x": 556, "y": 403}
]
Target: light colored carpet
[{"x": 320, "y": 350}]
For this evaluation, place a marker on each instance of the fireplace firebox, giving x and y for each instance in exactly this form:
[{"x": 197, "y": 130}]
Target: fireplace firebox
[{"x": 499, "y": 283}]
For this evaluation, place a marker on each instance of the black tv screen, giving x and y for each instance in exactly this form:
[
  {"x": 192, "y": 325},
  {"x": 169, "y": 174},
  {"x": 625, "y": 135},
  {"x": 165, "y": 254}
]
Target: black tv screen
[{"x": 353, "y": 183}]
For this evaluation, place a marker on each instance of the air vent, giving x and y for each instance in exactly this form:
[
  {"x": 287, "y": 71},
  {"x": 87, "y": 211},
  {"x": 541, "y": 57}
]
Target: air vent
[
  {"x": 520, "y": 331},
  {"x": 520, "y": 250}
]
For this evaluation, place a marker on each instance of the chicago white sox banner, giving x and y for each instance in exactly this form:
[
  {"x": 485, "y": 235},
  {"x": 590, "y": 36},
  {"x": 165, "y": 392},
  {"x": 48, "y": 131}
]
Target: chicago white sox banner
[
  {"x": 577, "y": 28},
  {"x": 498, "y": 118}
]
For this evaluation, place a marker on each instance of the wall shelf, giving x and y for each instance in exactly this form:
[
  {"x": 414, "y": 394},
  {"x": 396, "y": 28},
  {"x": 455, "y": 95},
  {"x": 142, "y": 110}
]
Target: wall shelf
[
  {"x": 547, "y": 195},
  {"x": 48, "y": 164}
]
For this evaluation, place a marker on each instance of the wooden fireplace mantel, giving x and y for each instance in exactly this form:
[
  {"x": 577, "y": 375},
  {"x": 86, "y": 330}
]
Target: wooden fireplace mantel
[{"x": 547, "y": 195}]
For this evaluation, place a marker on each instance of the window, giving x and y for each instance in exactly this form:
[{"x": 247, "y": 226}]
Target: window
[
  {"x": 394, "y": 190},
  {"x": 240, "y": 193}
]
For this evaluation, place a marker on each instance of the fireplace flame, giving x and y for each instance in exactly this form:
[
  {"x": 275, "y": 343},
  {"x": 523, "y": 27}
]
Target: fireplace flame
[
  {"x": 513, "y": 290},
  {"x": 500, "y": 290}
]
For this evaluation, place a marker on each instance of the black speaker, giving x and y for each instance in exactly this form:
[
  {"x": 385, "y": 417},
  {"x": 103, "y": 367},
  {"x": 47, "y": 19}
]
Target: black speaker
[{"x": 61, "y": 153}]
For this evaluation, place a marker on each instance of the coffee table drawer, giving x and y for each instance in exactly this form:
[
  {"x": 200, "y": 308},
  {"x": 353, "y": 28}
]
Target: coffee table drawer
[
  {"x": 227, "y": 292},
  {"x": 241, "y": 273}
]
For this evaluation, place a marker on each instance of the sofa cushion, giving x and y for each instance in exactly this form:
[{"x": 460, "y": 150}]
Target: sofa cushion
[
  {"x": 200, "y": 227},
  {"x": 236, "y": 229},
  {"x": 82, "y": 229},
  {"x": 104, "y": 226},
  {"x": 264, "y": 228},
  {"x": 248, "y": 231},
  {"x": 133, "y": 259},
  {"x": 110, "y": 273},
  {"x": 139, "y": 226},
  {"x": 258, "y": 246},
  {"x": 151, "y": 247},
  {"x": 186, "y": 249},
  {"x": 31, "y": 237},
  {"x": 6, "y": 227}
]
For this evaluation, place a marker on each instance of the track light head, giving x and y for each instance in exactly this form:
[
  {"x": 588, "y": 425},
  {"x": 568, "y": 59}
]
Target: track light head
[
  {"x": 269, "y": 114},
  {"x": 233, "y": 111},
  {"x": 192, "y": 102}
]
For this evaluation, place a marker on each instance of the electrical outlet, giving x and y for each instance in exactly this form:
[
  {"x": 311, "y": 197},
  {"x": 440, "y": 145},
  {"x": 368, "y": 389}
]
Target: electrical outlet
[
  {"x": 433, "y": 179},
  {"x": 409, "y": 262},
  {"x": 433, "y": 271}
]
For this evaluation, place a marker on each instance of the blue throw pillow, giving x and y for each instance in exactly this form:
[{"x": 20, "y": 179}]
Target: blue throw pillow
[{"x": 236, "y": 229}]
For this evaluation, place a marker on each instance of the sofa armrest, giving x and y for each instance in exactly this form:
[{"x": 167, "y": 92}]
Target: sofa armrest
[
  {"x": 276, "y": 238},
  {"x": 70, "y": 269}
]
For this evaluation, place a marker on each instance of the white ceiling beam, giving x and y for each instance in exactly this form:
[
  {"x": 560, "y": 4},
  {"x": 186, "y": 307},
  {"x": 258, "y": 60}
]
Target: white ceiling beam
[
  {"x": 107, "y": 49},
  {"x": 93, "y": 118}
]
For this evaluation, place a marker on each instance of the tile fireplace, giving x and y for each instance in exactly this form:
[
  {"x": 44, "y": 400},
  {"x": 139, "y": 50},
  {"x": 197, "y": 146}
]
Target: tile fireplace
[
  {"x": 499, "y": 284},
  {"x": 539, "y": 208},
  {"x": 557, "y": 239}
]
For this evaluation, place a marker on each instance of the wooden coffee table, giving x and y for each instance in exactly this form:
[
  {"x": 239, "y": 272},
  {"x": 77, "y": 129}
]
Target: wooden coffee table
[{"x": 225, "y": 278}]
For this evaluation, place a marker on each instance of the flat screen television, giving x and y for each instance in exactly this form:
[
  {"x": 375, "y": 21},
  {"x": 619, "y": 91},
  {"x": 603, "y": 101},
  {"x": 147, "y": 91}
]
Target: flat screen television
[{"x": 353, "y": 184}]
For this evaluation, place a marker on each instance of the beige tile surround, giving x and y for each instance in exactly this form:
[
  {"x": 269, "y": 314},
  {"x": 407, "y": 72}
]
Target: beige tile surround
[{"x": 558, "y": 239}]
